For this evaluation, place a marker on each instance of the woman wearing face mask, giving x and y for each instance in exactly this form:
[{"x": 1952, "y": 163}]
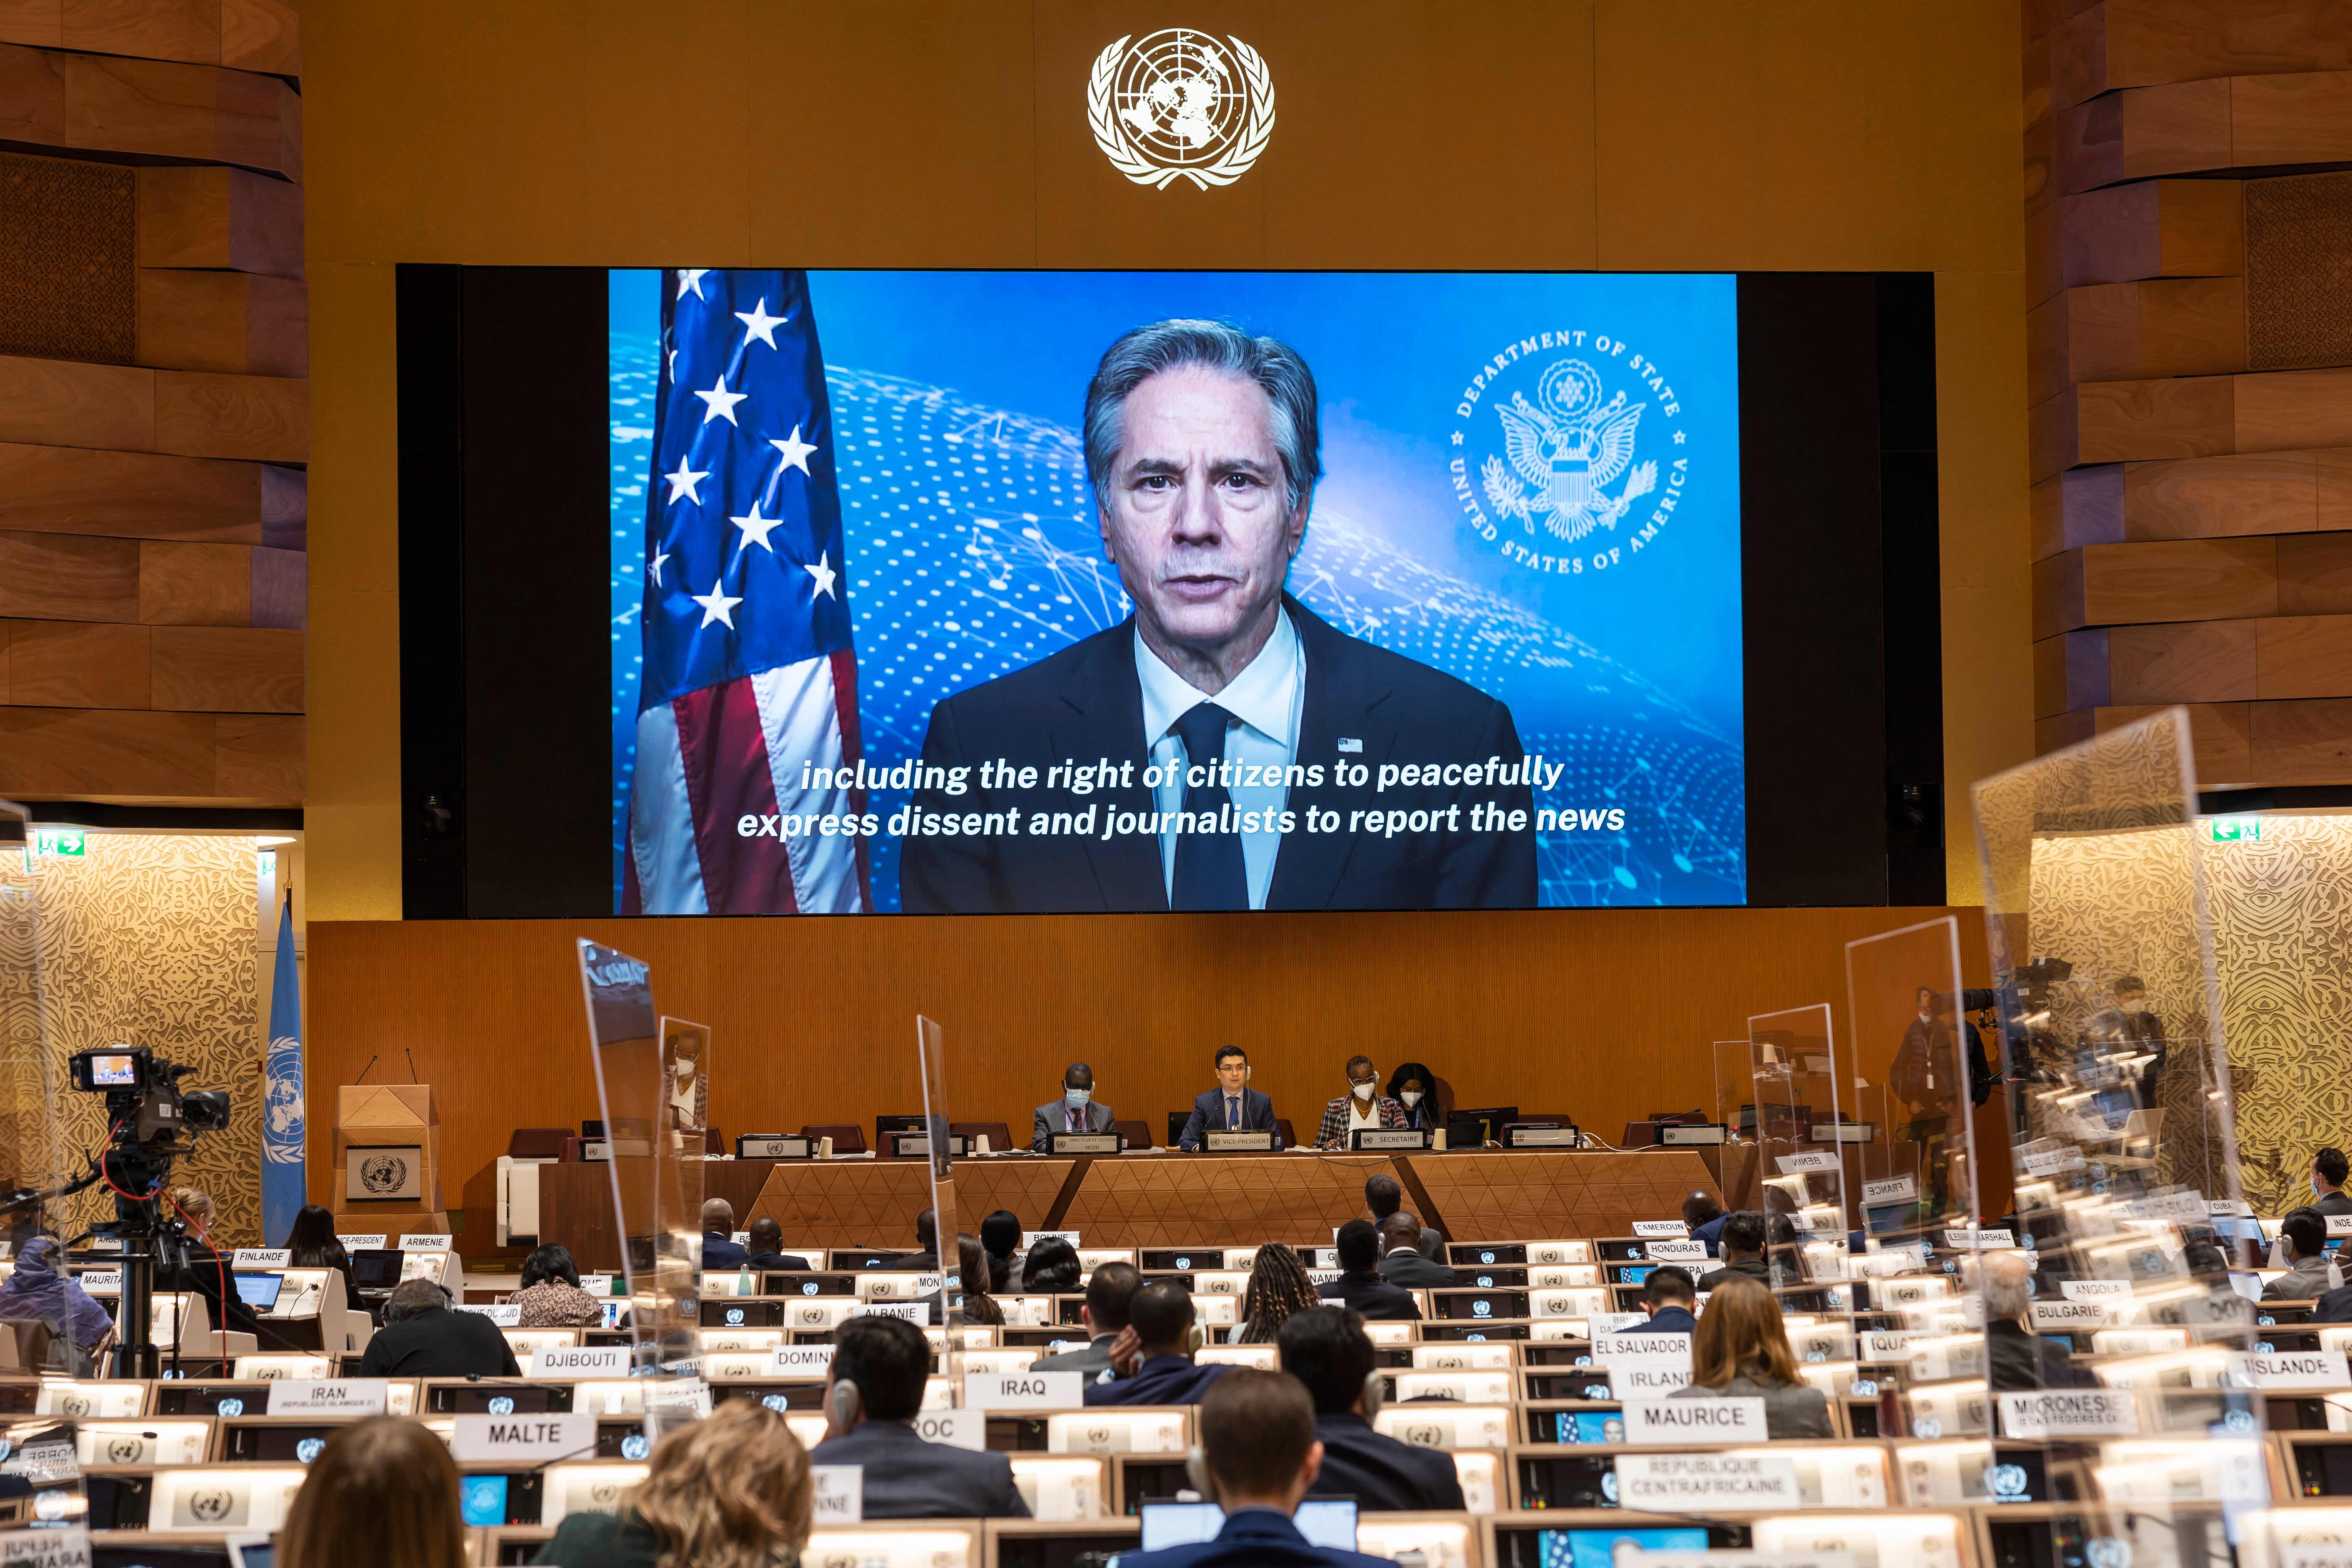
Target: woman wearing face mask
[
  {"x": 1414, "y": 1086},
  {"x": 1364, "y": 1106}
]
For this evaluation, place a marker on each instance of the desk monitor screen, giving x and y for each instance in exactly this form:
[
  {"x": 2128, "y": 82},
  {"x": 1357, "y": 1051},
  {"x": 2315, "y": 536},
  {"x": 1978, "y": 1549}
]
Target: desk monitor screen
[
  {"x": 260, "y": 1291},
  {"x": 375, "y": 1268},
  {"x": 1467, "y": 1129},
  {"x": 1329, "y": 1522}
]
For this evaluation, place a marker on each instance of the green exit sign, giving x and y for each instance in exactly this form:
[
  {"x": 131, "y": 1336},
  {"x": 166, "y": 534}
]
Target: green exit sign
[
  {"x": 2233, "y": 829},
  {"x": 57, "y": 841}
]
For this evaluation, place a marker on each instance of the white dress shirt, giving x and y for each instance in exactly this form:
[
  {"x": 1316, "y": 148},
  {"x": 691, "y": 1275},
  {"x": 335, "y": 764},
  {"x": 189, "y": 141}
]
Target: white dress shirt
[
  {"x": 1358, "y": 1121},
  {"x": 1266, "y": 697}
]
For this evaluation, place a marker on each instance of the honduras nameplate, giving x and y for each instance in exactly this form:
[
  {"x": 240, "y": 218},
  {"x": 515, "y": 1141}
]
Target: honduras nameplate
[
  {"x": 1695, "y": 1420},
  {"x": 1675, "y": 1251},
  {"x": 1240, "y": 1142},
  {"x": 1086, "y": 1143},
  {"x": 774, "y": 1146},
  {"x": 526, "y": 1439},
  {"x": 1391, "y": 1138}
]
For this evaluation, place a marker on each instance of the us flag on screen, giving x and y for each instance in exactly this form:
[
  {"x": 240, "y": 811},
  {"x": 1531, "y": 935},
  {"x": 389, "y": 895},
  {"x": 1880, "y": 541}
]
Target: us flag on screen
[{"x": 751, "y": 684}]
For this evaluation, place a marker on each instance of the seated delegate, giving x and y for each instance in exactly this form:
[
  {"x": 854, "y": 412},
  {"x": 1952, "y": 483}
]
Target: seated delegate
[
  {"x": 1151, "y": 1363},
  {"x": 1076, "y": 1111},
  {"x": 1232, "y": 1107},
  {"x": 1259, "y": 1460},
  {"x": 873, "y": 1391},
  {"x": 422, "y": 1337},
  {"x": 1740, "y": 1350},
  {"x": 1325, "y": 1349},
  {"x": 1360, "y": 1284}
]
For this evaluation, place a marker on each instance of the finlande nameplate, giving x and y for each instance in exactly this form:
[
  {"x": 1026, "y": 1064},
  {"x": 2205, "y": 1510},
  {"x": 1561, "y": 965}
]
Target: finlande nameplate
[
  {"x": 1240, "y": 1142},
  {"x": 1087, "y": 1143},
  {"x": 1391, "y": 1138}
]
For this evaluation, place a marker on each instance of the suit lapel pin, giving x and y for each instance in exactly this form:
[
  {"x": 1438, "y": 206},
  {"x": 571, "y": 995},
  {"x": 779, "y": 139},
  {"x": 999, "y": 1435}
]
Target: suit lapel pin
[{"x": 1350, "y": 743}]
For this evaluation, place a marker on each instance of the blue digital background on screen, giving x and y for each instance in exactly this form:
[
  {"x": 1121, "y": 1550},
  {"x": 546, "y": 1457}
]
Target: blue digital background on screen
[
  {"x": 1604, "y": 611},
  {"x": 484, "y": 1501},
  {"x": 1597, "y": 1548}
]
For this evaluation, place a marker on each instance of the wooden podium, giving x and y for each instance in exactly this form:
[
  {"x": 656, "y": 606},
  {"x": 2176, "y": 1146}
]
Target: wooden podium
[{"x": 388, "y": 1160}]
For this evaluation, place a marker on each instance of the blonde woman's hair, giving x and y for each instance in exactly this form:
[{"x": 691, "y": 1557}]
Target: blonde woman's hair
[
  {"x": 1741, "y": 1331},
  {"x": 381, "y": 1494},
  {"x": 732, "y": 1490},
  {"x": 195, "y": 1202}
]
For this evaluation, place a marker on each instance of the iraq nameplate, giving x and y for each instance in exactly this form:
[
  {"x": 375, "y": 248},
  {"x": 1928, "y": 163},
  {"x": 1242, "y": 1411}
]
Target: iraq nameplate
[
  {"x": 1024, "y": 1390},
  {"x": 1241, "y": 1143},
  {"x": 1391, "y": 1138},
  {"x": 774, "y": 1146},
  {"x": 1086, "y": 1143}
]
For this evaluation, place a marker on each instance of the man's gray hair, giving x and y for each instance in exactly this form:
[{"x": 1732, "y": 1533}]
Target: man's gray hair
[
  {"x": 2006, "y": 1282},
  {"x": 1172, "y": 344}
]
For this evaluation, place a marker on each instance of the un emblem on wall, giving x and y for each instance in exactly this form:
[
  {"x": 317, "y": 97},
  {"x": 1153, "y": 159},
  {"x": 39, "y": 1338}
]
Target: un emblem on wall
[
  {"x": 1179, "y": 105},
  {"x": 383, "y": 1172}
]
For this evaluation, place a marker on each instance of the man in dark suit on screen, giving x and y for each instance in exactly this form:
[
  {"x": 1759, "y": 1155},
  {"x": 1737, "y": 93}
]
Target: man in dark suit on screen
[{"x": 1223, "y": 748}]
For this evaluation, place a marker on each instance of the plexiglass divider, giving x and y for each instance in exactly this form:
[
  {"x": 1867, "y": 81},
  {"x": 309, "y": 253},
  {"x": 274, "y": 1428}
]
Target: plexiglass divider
[
  {"x": 1803, "y": 1191},
  {"x": 2123, "y": 1146},
  {"x": 1917, "y": 1322},
  {"x": 657, "y": 1191},
  {"x": 932, "y": 1059}
]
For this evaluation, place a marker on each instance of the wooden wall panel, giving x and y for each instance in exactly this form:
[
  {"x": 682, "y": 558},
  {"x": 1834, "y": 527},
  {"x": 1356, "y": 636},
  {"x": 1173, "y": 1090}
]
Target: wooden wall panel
[
  {"x": 2305, "y": 656},
  {"x": 101, "y": 103},
  {"x": 195, "y": 585},
  {"x": 2144, "y": 43},
  {"x": 228, "y": 670},
  {"x": 65, "y": 490},
  {"x": 58, "y": 576},
  {"x": 2158, "y": 228},
  {"x": 80, "y": 753},
  {"x": 219, "y": 217},
  {"x": 1610, "y": 1014},
  {"x": 67, "y": 664},
  {"x": 241, "y": 323},
  {"x": 55, "y": 403},
  {"x": 203, "y": 416},
  {"x": 2315, "y": 574}
]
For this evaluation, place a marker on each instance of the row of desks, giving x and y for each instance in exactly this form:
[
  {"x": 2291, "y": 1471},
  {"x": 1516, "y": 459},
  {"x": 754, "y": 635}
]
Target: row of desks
[{"x": 1160, "y": 1199}]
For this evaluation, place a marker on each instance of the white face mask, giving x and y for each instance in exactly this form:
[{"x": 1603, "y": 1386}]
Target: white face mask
[
  {"x": 1364, "y": 1090},
  {"x": 1409, "y": 1096},
  {"x": 1077, "y": 1096}
]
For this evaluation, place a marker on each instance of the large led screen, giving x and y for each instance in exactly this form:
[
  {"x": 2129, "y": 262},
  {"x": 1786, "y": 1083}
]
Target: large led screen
[{"x": 1022, "y": 592}]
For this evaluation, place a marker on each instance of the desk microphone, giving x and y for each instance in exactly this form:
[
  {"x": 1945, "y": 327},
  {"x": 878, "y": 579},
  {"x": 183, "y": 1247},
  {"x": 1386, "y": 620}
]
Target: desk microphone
[{"x": 364, "y": 1071}]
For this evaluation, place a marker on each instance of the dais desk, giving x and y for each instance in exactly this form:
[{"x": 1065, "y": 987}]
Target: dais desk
[{"x": 1161, "y": 1198}]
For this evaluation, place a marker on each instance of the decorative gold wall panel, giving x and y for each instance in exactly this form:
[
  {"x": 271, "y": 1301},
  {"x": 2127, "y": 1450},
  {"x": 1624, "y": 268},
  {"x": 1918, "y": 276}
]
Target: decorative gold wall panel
[
  {"x": 68, "y": 259},
  {"x": 153, "y": 940},
  {"x": 2283, "y": 945}
]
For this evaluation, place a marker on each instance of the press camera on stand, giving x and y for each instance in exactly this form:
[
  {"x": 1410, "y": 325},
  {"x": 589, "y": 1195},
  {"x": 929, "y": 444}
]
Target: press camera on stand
[{"x": 152, "y": 1122}]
